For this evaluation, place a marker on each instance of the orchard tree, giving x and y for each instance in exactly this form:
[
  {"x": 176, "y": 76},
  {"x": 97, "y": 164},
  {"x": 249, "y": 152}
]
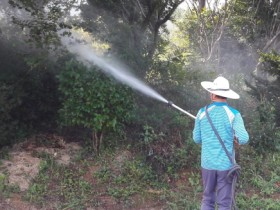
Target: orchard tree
[
  {"x": 93, "y": 100},
  {"x": 206, "y": 26}
]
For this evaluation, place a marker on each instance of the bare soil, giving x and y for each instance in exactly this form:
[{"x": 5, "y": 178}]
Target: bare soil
[{"x": 23, "y": 166}]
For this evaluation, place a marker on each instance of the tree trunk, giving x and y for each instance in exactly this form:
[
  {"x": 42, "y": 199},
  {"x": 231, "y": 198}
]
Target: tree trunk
[
  {"x": 201, "y": 5},
  {"x": 97, "y": 138}
]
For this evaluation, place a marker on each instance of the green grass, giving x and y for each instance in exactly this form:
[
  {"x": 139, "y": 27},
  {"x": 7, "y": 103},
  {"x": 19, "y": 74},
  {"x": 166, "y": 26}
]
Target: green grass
[
  {"x": 7, "y": 189},
  {"x": 95, "y": 182},
  {"x": 64, "y": 185},
  {"x": 67, "y": 187},
  {"x": 256, "y": 202}
]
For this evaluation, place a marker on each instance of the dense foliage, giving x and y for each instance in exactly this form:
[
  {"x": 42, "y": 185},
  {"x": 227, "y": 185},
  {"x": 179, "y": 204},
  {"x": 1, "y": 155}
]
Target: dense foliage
[
  {"x": 29, "y": 103},
  {"x": 237, "y": 39},
  {"x": 92, "y": 100}
]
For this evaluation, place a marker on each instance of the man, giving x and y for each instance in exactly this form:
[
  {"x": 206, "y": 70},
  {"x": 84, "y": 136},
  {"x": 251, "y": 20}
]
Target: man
[{"x": 215, "y": 163}]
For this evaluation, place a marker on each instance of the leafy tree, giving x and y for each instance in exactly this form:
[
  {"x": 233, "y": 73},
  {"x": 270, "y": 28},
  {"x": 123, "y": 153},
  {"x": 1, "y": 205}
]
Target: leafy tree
[
  {"x": 206, "y": 27},
  {"x": 41, "y": 20},
  {"x": 142, "y": 17},
  {"x": 138, "y": 21},
  {"x": 176, "y": 69},
  {"x": 268, "y": 88},
  {"x": 29, "y": 96},
  {"x": 211, "y": 39},
  {"x": 256, "y": 24},
  {"x": 92, "y": 100}
]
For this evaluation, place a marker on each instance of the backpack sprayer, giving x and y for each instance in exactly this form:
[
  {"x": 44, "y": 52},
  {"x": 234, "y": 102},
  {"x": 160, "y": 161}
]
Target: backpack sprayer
[{"x": 170, "y": 103}]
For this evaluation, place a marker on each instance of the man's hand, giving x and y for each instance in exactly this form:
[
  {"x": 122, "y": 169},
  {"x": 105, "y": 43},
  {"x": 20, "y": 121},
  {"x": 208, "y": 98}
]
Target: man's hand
[{"x": 236, "y": 142}]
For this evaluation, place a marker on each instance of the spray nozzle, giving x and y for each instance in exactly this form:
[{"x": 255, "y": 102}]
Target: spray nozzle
[{"x": 170, "y": 103}]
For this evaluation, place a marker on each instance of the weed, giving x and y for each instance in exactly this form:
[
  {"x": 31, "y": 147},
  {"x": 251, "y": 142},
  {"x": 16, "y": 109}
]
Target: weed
[
  {"x": 255, "y": 202},
  {"x": 183, "y": 199},
  {"x": 5, "y": 188},
  {"x": 149, "y": 135},
  {"x": 123, "y": 193},
  {"x": 269, "y": 187},
  {"x": 59, "y": 183},
  {"x": 37, "y": 192},
  {"x": 195, "y": 183},
  {"x": 4, "y": 153},
  {"x": 104, "y": 174},
  {"x": 2, "y": 182}
]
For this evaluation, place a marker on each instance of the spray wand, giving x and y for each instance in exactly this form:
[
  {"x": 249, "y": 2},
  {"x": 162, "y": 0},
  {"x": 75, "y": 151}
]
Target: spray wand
[{"x": 170, "y": 103}]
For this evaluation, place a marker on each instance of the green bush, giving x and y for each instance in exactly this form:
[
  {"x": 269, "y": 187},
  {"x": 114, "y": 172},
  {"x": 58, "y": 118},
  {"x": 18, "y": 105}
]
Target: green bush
[
  {"x": 29, "y": 103},
  {"x": 165, "y": 139},
  {"x": 264, "y": 133},
  {"x": 93, "y": 100},
  {"x": 8, "y": 125}
]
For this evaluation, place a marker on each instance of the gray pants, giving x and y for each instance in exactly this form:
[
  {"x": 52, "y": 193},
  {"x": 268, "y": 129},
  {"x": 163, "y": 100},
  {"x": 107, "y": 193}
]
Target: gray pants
[{"x": 216, "y": 189}]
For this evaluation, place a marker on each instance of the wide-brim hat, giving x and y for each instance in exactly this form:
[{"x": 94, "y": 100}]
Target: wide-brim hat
[{"x": 220, "y": 87}]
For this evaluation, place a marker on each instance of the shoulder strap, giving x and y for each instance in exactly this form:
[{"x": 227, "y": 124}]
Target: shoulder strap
[{"x": 218, "y": 136}]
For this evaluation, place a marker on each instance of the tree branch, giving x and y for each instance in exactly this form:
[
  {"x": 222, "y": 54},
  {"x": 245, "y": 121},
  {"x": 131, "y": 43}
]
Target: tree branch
[{"x": 270, "y": 42}]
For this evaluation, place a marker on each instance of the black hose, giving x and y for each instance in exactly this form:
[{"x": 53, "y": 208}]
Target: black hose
[{"x": 233, "y": 175}]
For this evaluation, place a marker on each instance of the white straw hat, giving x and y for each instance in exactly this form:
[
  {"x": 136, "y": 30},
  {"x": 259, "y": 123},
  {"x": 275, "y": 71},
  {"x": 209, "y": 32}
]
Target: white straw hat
[{"x": 220, "y": 87}]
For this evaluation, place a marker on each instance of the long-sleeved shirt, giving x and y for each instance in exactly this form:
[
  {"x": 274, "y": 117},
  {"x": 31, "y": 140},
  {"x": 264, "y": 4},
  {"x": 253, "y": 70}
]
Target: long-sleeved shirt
[{"x": 228, "y": 122}]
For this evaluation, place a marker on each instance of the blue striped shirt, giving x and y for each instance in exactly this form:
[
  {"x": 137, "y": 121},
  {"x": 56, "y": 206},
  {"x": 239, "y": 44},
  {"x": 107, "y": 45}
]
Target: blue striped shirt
[{"x": 227, "y": 121}]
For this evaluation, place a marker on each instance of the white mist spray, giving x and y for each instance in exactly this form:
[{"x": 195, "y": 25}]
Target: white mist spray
[{"x": 112, "y": 67}]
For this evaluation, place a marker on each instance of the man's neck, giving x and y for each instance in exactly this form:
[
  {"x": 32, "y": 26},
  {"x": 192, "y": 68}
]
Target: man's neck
[
  {"x": 216, "y": 98},
  {"x": 219, "y": 100}
]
